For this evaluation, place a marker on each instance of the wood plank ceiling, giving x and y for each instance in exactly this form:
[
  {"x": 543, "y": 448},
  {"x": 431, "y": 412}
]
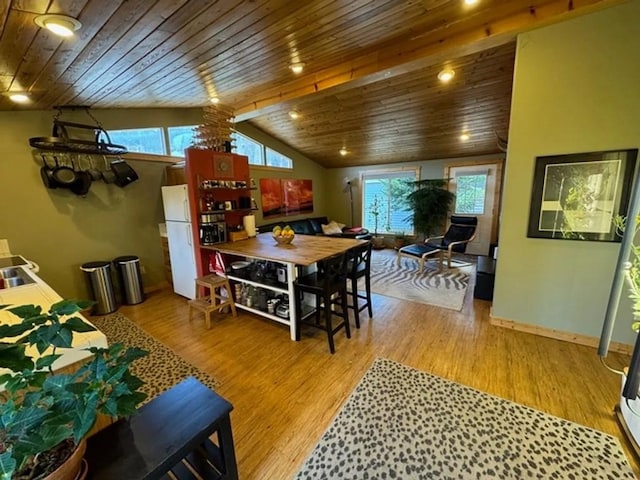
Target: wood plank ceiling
[{"x": 369, "y": 82}]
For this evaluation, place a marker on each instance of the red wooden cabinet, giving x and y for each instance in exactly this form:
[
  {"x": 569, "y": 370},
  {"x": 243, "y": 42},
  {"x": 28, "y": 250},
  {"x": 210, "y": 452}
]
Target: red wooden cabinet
[{"x": 219, "y": 191}]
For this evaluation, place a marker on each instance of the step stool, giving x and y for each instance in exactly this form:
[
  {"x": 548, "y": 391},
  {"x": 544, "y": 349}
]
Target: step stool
[{"x": 207, "y": 303}]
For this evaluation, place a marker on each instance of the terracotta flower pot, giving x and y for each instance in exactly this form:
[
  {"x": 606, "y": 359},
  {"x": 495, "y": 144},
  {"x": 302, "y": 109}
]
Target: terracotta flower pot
[{"x": 71, "y": 469}]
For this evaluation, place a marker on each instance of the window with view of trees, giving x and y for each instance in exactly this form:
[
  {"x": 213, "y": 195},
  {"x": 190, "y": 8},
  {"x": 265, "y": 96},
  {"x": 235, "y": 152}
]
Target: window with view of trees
[
  {"x": 470, "y": 193},
  {"x": 181, "y": 138},
  {"x": 249, "y": 148},
  {"x": 145, "y": 140},
  {"x": 259, "y": 154},
  {"x": 384, "y": 205}
]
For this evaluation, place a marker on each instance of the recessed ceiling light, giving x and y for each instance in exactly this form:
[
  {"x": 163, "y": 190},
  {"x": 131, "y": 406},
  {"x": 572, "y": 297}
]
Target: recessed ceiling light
[
  {"x": 62, "y": 25},
  {"x": 343, "y": 151},
  {"x": 470, "y": 2},
  {"x": 465, "y": 136},
  {"x": 446, "y": 75},
  {"x": 297, "y": 67},
  {"x": 294, "y": 114},
  {"x": 18, "y": 97},
  {"x": 214, "y": 100}
]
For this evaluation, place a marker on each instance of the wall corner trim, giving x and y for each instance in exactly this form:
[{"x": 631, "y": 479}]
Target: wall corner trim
[{"x": 558, "y": 334}]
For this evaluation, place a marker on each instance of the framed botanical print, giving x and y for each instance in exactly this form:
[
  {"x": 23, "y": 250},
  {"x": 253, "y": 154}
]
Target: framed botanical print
[{"x": 577, "y": 196}]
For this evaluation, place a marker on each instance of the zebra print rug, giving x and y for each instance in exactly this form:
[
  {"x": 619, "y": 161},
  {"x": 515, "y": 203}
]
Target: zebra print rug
[{"x": 445, "y": 289}]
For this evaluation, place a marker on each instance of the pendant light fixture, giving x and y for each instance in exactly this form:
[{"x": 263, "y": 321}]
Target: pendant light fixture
[{"x": 62, "y": 25}]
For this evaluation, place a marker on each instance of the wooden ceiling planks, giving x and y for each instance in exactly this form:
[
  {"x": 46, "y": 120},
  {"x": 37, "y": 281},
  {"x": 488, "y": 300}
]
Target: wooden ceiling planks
[
  {"x": 369, "y": 81},
  {"x": 414, "y": 107}
]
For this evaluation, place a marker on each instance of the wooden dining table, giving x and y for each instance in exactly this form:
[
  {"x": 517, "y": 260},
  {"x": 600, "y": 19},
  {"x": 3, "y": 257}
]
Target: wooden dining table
[{"x": 304, "y": 250}]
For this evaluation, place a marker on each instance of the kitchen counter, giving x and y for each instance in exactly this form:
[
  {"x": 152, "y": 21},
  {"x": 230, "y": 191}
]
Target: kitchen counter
[
  {"x": 39, "y": 293},
  {"x": 305, "y": 250}
]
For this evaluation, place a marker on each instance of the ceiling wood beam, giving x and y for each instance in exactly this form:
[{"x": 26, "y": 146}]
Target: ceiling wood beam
[{"x": 418, "y": 52}]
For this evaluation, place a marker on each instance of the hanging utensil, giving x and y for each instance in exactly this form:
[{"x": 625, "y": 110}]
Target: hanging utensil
[
  {"x": 107, "y": 174},
  {"x": 63, "y": 174},
  {"x": 47, "y": 174}
]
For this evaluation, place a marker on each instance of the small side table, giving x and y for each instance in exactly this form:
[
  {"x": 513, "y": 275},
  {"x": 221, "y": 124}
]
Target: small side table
[
  {"x": 168, "y": 434},
  {"x": 485, "y": 277}
]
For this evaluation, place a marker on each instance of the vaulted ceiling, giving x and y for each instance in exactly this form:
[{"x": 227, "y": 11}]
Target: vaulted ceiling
[{"x": 369, "y": 84}]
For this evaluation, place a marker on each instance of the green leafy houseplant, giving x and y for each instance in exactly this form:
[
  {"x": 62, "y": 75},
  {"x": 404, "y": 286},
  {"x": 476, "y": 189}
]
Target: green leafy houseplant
[
  {"x": 632, "y": 273},
  {"x": 429, "y": 204},
  {"x": 42, "y": 411}
]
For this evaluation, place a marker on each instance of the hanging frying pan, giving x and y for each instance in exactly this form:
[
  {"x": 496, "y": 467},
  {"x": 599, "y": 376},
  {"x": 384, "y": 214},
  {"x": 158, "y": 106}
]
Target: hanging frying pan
[
  {"x": 47, "y": 174},
  {"x": 82, "y": 184},
  {"x": 107, "y": 174},
  {"x": 92, "y": 170},
  {"x": 64, "y": 175}
]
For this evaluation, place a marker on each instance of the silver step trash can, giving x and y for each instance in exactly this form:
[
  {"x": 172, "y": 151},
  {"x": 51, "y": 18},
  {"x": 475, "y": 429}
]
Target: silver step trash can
[
  {"x": 98, "y": 275},
  {"x": 130, "y": 279}
]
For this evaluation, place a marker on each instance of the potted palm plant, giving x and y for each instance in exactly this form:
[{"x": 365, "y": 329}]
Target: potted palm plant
[
  {"x": 430, "y": 204},
  {"x": 45, "y": 416}
]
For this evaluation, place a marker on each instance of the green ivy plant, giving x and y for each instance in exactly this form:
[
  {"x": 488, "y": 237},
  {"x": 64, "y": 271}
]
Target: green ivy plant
[{"x": 40, "y": 409}]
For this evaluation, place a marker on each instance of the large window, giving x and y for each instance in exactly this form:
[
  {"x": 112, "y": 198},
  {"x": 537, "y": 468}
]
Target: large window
[
  {"x": 276, "y": 159},
  {"x": 146, "y": 140},
  {"x": 259, "y": 154},
  {"x": 181, "y": 138},
  {"x": 384, "y": 204},
  {"x": 471, "y": 190},
  {"x": 250, "y": 148},
  {"x": 152, "y": 140}
]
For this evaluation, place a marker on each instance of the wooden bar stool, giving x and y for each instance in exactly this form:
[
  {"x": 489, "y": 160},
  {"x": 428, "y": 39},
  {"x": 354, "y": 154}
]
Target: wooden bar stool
[{"x": 213, "y": 300}]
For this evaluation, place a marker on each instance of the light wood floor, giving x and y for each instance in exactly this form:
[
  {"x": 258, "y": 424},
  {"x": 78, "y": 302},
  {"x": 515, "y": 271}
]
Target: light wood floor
[{"x": 286, "y": 393}]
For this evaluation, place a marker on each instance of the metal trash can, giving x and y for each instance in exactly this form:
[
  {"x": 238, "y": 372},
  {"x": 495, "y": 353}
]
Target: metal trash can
[
  {"x": 98, "y": 275},
  {"x": 130, "y": 279}
]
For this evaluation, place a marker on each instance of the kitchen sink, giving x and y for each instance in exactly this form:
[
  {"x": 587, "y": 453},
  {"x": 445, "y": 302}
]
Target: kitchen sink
[{"x": 14, "y": 277}]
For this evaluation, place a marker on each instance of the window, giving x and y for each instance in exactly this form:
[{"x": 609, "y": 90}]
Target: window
[
  {"x": 250, "y": 148},
  {"x": 470, "y": 193},
  {"x": 181, "y": 138},
  {"x": 146, "y": 140},
  {"x": 258, "y": 153},
  {"x": 384, "y": 205},
  {"x": 275, "y": 159}
]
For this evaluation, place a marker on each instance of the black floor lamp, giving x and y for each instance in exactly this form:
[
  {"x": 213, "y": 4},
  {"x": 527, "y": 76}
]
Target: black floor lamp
[{"x": 348, "y": 187}]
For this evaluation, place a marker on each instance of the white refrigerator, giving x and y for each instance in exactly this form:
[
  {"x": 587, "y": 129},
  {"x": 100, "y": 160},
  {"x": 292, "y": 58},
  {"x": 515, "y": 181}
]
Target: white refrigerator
[{"x": 180, "y": 236}]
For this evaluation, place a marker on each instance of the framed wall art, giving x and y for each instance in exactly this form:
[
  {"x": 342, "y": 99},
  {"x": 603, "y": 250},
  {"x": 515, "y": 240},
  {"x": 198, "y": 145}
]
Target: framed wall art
[
  {"x": 284, "y": 197},
  {"x": 577, "y": 196}
]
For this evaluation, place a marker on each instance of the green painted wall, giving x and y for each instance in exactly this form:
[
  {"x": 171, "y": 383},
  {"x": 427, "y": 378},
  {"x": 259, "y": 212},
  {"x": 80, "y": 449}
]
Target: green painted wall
[
  {"x": 575, "y": 90},
  {"x": 59, "y": 230},
  {"x": 304, "y": 168}
]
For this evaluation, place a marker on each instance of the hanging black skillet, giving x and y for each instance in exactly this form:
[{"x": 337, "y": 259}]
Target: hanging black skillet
[
  {"x": 82, "y": 184},
  {"x": 64, "y": 175},
  {"x": 47, "y": 174}
]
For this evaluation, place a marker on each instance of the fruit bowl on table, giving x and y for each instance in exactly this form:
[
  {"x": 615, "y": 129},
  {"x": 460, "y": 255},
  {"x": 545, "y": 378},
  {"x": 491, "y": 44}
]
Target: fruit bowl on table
[{"x": 283, "y": 240}]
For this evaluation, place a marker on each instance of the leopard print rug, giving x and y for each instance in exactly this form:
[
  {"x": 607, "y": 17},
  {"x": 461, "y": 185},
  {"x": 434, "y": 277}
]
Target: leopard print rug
[
  {"x": 162, "y": 368},
  {"x": 400, "y": 423}
]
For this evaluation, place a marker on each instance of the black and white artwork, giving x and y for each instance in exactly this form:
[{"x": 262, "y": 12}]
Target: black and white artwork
[{"x": 577, "y": 196}]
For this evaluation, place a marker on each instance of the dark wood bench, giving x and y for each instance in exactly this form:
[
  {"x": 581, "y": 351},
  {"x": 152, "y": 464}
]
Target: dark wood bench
[{"x": 169, "y": 437}]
